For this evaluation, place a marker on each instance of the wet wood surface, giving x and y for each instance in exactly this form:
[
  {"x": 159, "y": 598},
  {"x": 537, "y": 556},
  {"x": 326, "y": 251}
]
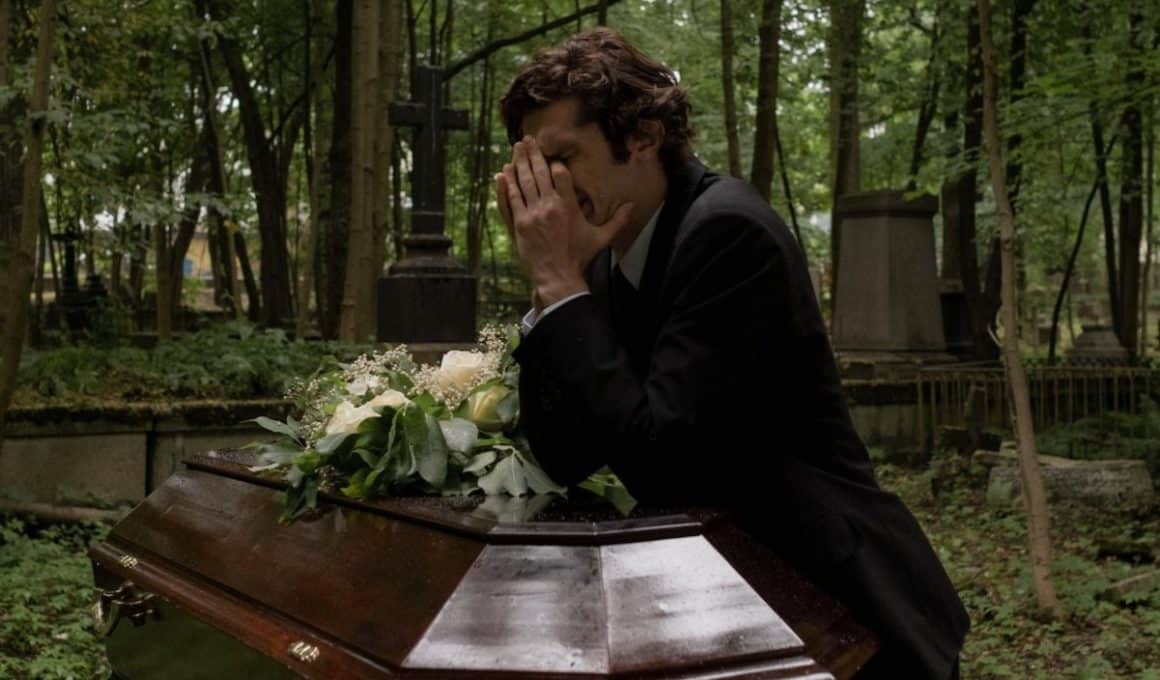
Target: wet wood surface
[{"x": 448, "y": 587}]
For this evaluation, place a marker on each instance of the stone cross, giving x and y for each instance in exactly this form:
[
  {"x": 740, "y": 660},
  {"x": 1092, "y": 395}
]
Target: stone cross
[
  {"x": 430, "y": 119},
  {"x": 427, "y": 299}
]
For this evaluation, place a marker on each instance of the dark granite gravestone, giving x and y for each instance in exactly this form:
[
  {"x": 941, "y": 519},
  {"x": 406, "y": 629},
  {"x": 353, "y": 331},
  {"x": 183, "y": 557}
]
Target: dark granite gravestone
[
  {"x": 427, "y": 296},
  {"x": 200, "y": 581}
]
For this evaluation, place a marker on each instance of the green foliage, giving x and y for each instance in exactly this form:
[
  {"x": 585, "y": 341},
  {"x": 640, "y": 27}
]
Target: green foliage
[
  {"x": 46, "y": 593},
  {"x": 984, "y": 550},
  {"x": 226, "y": 361},
  {"x": 1115, "y": 434}
]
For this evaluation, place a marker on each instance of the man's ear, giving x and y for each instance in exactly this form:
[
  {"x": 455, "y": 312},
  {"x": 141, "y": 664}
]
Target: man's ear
[{"x": 647, "y": 140}]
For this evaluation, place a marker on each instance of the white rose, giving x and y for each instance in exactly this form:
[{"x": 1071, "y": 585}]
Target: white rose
[
  {"x": 360, "y": 385},
  {"x": 460, "y": 369},
  {"x": 392, "y": 398},
  {"x": 347, "y": 417}
]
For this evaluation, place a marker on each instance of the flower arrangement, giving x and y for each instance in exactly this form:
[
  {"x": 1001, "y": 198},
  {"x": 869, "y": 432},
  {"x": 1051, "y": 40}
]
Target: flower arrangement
[{"x": 383, "y": 425}]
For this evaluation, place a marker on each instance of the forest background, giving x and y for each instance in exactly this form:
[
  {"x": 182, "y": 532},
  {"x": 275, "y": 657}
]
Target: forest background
[{"x": 259, "y": 127}]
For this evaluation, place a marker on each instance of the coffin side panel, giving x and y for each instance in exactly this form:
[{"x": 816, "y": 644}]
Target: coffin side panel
[{"x": 372, "y": 582}]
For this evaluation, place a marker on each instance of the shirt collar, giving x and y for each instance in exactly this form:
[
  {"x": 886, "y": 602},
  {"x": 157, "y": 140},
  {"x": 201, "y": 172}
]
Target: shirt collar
[{"x": 632, "y": 264}]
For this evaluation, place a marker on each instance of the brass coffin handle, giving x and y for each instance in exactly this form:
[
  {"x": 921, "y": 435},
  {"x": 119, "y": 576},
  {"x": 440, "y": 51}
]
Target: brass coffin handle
[
  {"x": 122, "y": 602},
  {"x": 303, "y": 651}
]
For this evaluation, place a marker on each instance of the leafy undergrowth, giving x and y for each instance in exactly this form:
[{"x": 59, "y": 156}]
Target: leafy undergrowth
[
  {"x": 225, "y": 361},
  {"x": 46, "y": 593},
  {"x": 984, "y": 549}
]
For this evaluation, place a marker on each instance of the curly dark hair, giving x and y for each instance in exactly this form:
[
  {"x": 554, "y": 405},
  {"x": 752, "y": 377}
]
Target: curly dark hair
[{"x": 617, "y": 86}]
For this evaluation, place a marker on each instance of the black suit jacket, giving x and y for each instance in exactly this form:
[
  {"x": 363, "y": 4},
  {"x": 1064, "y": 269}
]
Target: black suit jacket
[{"x": 721, "y": 389}]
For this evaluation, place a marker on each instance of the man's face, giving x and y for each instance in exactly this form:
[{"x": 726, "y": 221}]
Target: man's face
[{"x": 601, "y": 183}]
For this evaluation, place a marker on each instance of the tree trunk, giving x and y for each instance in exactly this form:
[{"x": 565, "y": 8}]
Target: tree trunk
[
  {"x": 765, "y": 125},
  {"x": 222, "y": 250},
  {"x": 360, "y": 254},
  {"x": 1035, "y": 499},
  {"x": 927, "y": 109},
  {"x": 729, "y": 90},
  {"x": 390, "y": 57},
  {"x": 845, "y": 48},
  {"x": 481, "y": 166},
  {"x": 314, "y": 55},
  {"x": 981, "y": 286},
  {"x": 1149, "y": 197},
  {"x": 1132, "y": 189},
  {"x": 9, "y": 168},
  {"x": 24, "y": 259},
  {"x": 334, "y": 274},
  {"x": 269, "y": 184}
]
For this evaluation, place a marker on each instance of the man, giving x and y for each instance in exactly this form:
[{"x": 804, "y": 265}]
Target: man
[{"x": 675, "y": 337}]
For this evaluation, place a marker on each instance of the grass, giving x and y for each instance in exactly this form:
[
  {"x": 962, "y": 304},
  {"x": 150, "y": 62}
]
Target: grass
[{"x": 45, "y": 590}]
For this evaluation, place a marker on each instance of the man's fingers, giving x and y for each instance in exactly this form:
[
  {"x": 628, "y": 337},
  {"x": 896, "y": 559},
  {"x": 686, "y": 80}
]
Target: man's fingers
[
  {"x": 515, "y": 200},
  {"x": 539, "y": 166},
  {"x": 502, "y": 201},
  {"x": 563, "y": 181},
  {"x": 523, "y": 170}
]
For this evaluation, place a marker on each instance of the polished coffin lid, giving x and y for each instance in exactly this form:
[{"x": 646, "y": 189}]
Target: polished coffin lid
[{"x": 449, "y": 586}]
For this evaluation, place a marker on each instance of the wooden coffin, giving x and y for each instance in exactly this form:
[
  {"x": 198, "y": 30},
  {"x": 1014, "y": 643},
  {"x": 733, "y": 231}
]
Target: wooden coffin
[{"x": 200, "y": 581}]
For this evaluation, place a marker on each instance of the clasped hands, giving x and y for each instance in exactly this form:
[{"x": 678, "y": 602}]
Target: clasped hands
[{"x": 554, "y": 240}]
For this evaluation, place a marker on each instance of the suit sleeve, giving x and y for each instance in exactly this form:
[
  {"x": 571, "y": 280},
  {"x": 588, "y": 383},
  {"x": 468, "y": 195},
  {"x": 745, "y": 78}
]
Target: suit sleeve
[{"x": 583, "y": 407}]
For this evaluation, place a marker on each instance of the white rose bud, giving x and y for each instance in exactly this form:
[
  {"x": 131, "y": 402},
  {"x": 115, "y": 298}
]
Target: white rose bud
[
  {"x": 460, "y": 369},
  {"x": 392, "y": 398},
  {"x": 347, "y": 417},
  {"x": 359, "y": 386}
]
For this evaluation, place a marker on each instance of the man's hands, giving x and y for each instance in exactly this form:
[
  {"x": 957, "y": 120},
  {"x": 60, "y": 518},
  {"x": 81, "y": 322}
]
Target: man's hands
[{"x": 554, "y": 239}]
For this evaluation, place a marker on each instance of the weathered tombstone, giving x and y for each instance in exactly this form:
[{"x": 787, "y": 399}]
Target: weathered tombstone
[
  {"x": 200, "y": 581},
  {"x": 1098, "y": 343},
  {"x": 888, "y": 312},
  {"x": 427, "y": 297}
]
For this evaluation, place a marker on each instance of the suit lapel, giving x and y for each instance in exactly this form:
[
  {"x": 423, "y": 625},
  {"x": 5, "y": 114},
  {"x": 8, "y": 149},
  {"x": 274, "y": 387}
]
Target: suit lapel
[
  {"x": 599, "y": 278},
  {"x": 682, "y": 189}
]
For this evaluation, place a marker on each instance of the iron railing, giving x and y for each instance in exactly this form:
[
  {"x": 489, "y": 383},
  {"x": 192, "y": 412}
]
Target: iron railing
[{"x": 1059, "y": 394}]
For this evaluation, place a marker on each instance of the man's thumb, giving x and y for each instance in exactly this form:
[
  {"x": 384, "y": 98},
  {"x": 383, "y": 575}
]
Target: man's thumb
[{"x": 618, "y": 221}]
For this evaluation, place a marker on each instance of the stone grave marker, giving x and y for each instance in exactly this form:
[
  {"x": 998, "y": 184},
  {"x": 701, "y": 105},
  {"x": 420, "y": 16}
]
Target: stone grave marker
[{"x": 427, "y": 297}]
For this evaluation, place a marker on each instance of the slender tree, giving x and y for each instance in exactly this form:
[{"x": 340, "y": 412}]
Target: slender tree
[
  {"x": 765, "y": 125},
  {"x": 1035, "y": 499},
  {"x": 9, "y": 155},
  {"x": 332, "y": 277},
  {"x": 1132, "y": 186},
  {"x": 268, "y": 151},
  {"x": 845, "y": 50},
  {"x": 24, "y": 259},
  {"x": 312, "y": 152},
  {"x": 729, "y": 88},
  {"x": 361, "y": 257}
]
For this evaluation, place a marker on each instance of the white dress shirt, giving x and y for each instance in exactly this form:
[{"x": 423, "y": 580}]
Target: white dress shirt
[{"x": 631, "y": 265}]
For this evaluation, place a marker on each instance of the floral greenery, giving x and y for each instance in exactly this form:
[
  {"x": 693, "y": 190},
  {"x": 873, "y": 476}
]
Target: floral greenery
[
  {"x": 383, "y": 425},
  {"x": 46, "y": 591},
  {"x": 227, "y": 360}
]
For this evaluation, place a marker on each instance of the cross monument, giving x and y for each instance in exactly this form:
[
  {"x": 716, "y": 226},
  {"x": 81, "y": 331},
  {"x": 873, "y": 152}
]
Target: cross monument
[{"x": 427, "y": 297}]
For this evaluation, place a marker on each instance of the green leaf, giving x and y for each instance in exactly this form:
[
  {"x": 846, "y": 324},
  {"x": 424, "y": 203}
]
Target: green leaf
[
  {"x": 433, "y": 463},
  {"x": 508, "y": 409},
  {"x": 369, "y": 457},
  {"x": 356, "y": 485},
  {"x": 459, "y": 433},
  {"x": 277, "y": 427},
  {"x": 506, "y": 477},
  {"x": 307, "y": 461},
  {"x": 538, "y": 480}
]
